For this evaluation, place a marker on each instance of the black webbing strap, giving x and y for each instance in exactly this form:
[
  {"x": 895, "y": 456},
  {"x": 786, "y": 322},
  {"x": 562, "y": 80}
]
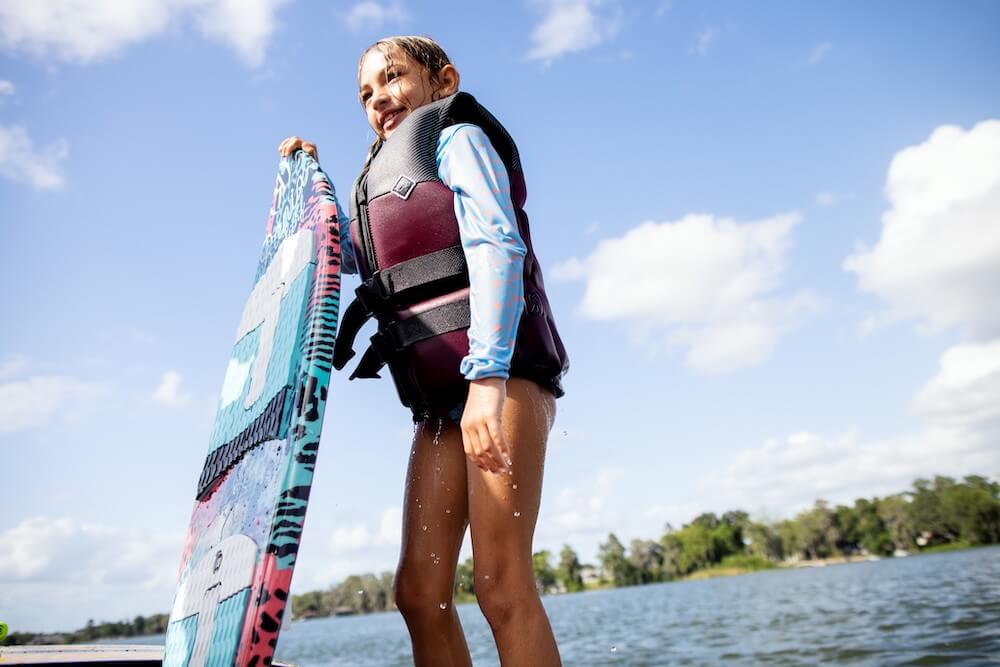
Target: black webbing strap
[
  {"x": 393, "y": 339},
  {"x": 265, "y": 427},
  {"x": 351, "y": 321},
  {"x": 396, "y": 286},
  {"x": 396, "y": 281}
]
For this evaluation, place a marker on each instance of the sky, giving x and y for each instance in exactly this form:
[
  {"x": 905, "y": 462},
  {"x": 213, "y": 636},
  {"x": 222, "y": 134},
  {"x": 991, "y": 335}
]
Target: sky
[{"x": 770, "y": 235}]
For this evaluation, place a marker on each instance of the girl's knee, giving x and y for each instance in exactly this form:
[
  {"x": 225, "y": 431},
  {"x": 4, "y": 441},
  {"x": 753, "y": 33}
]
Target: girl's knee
[
  {"x": 502, "y": 597},
  {"x": 418, "y": 593}
]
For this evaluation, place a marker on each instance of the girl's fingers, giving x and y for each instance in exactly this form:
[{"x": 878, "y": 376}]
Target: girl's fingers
[
  {"x": 293, "y": 143},
  {"x": 288, "y": 146},
  {"x": 486, "y": 452},
  {"x": 310, "y": 148},
  {"x": 500, "y": 443},
  {"x": 482, "y": 450},
  {"x": 471, "y": 441}
]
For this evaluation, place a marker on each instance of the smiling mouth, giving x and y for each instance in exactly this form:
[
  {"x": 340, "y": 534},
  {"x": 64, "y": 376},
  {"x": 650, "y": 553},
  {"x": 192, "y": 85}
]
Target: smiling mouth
[{"x": 391, "y": 119}]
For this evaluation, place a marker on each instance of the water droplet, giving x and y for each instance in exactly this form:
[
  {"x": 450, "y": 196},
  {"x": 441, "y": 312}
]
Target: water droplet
[
  {"x": 517, "y": 514},
  {"x": 565, "y": 433},
  {"x": 508, "y": 461},
  {"x": 438, "y": 468},
  {"x": 361, "y": 592},
  {"x": 515, "y": 486},
  {"x": 614, "y": 649},
  {"x": 432, "y": 554},
  {"x": 447, "y": 511},
  {"x": 437, "y": 436},
  {"x": 443, "y": 605},
  {"x": 486, "y": 576},
  {"x": 425, "y": 527}
]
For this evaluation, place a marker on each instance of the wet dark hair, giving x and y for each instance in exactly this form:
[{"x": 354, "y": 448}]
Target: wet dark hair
[{"x": 424, "y": 51}]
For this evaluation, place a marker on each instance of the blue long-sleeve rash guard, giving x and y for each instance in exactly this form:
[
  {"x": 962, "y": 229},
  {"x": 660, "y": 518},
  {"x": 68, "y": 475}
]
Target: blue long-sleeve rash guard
[{"x": 494, "y": 250}]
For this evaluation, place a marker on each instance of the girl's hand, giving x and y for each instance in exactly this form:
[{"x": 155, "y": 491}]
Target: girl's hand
[
  {"x": 292, "y": 144},
  {"x": 482, "y": 428}
]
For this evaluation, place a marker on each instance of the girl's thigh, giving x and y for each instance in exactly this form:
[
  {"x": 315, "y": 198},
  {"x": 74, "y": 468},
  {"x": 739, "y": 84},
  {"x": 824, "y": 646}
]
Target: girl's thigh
[
  {"x": 503, "y": 508},
  {"x": 435, "y": 505}
]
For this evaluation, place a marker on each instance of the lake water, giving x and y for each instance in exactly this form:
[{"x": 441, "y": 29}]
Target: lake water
[{"x": 934, "y": 609}]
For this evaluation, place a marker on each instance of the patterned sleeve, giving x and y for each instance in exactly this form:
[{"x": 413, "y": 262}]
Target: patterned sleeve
[
  {"x": 494, "y": 249},
  {"x": 348, "y": 263}
]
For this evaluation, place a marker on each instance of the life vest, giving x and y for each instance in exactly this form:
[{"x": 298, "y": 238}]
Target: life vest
[{"x": 415, "y": 278}]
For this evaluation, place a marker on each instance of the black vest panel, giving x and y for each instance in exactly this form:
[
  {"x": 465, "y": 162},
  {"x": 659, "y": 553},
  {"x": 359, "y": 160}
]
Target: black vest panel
[{"x": 415, "y": 280}]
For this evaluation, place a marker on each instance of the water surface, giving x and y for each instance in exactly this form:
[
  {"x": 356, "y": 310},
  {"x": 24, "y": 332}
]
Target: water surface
[{"x": 934, "y": 609}]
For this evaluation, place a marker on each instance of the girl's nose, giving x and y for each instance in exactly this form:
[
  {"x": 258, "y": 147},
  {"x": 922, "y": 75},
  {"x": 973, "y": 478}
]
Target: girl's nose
[{"x": 380, "y": 97}]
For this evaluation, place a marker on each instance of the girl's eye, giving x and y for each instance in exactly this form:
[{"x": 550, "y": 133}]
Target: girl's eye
[
  {"x": 365, "y": 96},
  {"x": 391, "y": 74}
]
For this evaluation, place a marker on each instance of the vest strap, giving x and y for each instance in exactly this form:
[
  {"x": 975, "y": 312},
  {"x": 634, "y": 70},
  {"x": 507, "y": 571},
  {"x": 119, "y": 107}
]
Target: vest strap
[
  {"x": 435, "y": 273},
  {"x": 393, "y": 339}
]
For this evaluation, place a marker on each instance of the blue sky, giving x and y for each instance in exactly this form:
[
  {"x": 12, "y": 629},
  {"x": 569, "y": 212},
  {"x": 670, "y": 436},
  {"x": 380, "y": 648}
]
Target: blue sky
[{"x": 771, "y": 236}]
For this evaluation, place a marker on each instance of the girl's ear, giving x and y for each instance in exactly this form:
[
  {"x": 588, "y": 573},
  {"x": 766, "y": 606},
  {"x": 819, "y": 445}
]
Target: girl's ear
[{"x": 449, "y": 79}]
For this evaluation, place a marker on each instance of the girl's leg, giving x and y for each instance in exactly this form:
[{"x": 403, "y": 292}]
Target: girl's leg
[
  {"x": 502, "y": 510},
  {"x": 435, "y": 515}
]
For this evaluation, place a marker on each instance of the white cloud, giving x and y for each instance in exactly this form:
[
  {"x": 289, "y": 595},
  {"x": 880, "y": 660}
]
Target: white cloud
[
  {"x": 703, "y": 282},
  {"x": 569, "y": 26},
  {"x": 169, "y": 393},
  {"x": 962, "y": 407},
  {"x": 819, "y": 52},
  {"x": 704, "y": 40},
  {"x": 14, "y": 365},
  {"x": 369, "y": 15},
  {"x": 6, "y": 87},
  {"x": 21, "y": 162},
  {"x": 938, "y": 258},
  {"x": 53, "y": 572},
  {"x": 35, "y": 401},
  {"x": 358, "y": 537},
  {"x": 965, "y": 392},
  {"x": 244, "y": 25},
  {"x": 676, "y": 515},
  {"x": 83, "y": 31},
  {"x": 583, "y": 517},
  {"x": 826, "y": 199}
]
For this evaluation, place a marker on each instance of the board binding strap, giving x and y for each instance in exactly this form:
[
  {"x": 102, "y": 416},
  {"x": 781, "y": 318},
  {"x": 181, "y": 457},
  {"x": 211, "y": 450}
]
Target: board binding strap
[{"x": 251, "y": 498}]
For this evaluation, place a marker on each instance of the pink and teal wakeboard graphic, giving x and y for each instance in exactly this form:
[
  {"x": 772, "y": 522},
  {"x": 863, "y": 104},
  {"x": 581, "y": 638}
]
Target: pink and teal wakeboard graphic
[{"x": 251, "y": 500}]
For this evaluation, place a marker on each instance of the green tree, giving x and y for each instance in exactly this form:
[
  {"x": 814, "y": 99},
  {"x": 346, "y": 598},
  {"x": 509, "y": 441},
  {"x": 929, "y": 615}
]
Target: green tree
[
  {"x": 697, "y": 546},
  {"x": 614, "y": 563},
  {"x": 817, "y": 531},
  {"x": 895, "y": 513},
  {"x": 673, "y": 549},
  {"x": 545, "y": 576},
  {"x": 465, "y": 577},
  {"x": 972, "y": 510},
  {"x": 763, "y": 541},
  {"x": 871, "y": 533},
  {"x": 646, "y": 559},
  {"x": 568, "y": 570}
]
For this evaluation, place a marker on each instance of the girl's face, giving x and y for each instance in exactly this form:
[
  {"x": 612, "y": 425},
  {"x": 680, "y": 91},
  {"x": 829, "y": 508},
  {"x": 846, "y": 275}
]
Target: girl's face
[{"x": 391, "y": 88}]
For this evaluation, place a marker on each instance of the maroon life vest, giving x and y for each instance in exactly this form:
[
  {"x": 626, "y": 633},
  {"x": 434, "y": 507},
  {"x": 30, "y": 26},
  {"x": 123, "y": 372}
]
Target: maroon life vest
[{"x": 415, "y": 279}]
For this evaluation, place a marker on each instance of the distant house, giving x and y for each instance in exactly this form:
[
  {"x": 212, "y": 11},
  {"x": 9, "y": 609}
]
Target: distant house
[{"x": 590, "y": 575}]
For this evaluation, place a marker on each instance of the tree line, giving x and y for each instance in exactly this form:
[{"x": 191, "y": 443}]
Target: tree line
[
  {"x": 140, "y": 625},
  {"x": 933, "y": 514}
]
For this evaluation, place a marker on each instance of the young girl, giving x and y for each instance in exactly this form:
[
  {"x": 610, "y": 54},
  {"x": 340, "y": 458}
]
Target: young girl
[{"x": 441, "y": 240}]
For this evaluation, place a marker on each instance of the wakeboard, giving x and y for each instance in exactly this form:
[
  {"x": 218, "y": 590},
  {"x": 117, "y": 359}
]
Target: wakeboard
[{"x": 242, "y": 542}]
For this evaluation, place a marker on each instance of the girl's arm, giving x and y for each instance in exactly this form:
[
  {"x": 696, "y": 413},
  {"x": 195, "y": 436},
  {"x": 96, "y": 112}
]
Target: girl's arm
[
  {"x": 494, "y": 251},
  {"x": 348, "y": 261}
]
